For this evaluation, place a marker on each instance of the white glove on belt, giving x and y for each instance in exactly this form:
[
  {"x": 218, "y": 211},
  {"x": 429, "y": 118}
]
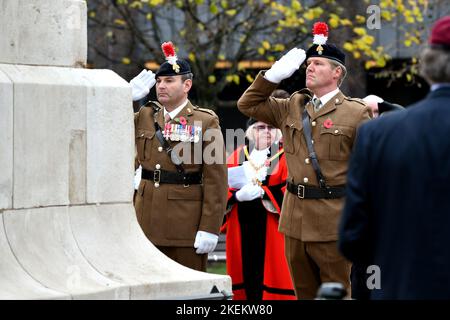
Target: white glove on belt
[
  {"x": 205, "y": 242},
  {"x": 286, "y": 65},
  {"x": 141, "y": 84}
]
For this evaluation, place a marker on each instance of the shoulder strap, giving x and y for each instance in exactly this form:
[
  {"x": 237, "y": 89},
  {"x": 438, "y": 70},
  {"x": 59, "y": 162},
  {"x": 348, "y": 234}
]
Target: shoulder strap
[
  {"x": 164, "y": 144},
  {"x": 312, "y": 153}
]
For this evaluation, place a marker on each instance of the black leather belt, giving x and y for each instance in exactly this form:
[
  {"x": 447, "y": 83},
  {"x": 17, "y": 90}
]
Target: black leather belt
[
  {"x": 310, "y": 192},
  {"x": 163, "y": 176}
]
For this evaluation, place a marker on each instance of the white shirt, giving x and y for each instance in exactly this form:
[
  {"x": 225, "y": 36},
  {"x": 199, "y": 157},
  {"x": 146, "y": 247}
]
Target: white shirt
[
  {"x": 175, "y": 111},
  {"x": 327, "y": 97}
]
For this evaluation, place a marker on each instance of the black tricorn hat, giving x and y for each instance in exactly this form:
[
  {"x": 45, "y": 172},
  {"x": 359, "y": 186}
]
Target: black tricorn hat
[
  {"x": 251, "y": 121},
  {"x": 167, "y": 69}
]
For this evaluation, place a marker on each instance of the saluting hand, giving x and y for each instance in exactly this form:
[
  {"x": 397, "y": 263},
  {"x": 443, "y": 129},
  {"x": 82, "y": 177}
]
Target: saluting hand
[
  {"x": 141, "y": 84},
  {"x": 286, "y": 65}
]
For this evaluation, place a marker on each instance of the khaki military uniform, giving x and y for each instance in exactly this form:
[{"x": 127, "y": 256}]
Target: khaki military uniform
[
  {"x": 310, "y": 225},
  {"x": 171, "y": 214}
]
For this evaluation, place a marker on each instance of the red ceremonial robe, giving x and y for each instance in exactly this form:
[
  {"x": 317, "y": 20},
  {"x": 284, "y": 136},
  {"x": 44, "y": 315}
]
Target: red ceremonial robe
[{"x": 254, "y": 248}]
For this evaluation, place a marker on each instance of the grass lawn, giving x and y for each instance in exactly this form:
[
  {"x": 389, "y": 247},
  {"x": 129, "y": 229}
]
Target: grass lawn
[{"x": 217, "y": 267}]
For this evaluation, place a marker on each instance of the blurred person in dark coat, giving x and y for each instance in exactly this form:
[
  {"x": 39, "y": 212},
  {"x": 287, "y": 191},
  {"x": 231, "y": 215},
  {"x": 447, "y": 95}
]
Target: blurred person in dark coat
[
  {"x": 379, "y": 106},
  {"x": 399, "y": 221}
]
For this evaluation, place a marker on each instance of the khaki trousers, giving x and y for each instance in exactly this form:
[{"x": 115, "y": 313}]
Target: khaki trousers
[
  {"x": 313, "y": 263},
  {"x": 186, "y": 256}
]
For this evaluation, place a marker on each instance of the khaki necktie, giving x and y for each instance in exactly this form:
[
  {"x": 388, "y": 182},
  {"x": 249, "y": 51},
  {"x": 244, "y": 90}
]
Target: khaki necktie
[
  {"x": 317, "y": 104},
  {"x": 167, "y": 118}
]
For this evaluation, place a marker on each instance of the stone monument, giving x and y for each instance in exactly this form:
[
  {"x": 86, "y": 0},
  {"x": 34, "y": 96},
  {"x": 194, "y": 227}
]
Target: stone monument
[{"x": 68, "y": 229}]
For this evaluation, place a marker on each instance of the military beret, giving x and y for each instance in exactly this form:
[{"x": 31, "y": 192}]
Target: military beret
[
  {"x": 173, "y": 66},
  {"x": 320, "y": 48},
  {"x": 440, "y": 33}
]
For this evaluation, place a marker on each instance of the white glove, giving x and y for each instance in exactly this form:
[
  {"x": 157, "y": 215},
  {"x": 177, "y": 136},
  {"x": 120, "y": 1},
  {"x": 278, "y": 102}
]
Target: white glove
[
  {"x": 205, "y": 242},
  {"x": 286, "y": 65},
  {"x": 137, "y": 177},
  {"x": 249, "y": 192},
  {"x": 141, "y": 84}
]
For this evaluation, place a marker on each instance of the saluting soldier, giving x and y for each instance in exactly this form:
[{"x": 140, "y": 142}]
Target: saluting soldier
[
  {"x": 180, "y": 200},
  {"x": 319, "y": 126}
]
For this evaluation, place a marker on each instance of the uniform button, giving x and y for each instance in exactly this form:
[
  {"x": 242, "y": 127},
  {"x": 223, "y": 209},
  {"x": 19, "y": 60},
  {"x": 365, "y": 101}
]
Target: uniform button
[
  {"x": 156, "y": 185},
  {"x": 291, "y": 125},
  {"x": 312, "y": 141},
  {"x": 337, "y": 100},
  {"x": 313, "y": 123},
  {"x": 158, "y": 166},
  {"x": 142, "y": 134},
  {"x": 336, "y": 131},
  {"x": 160, "y": 149},
  {"x": 307, "y": 160},
  {"x": 305, "y": 180}
]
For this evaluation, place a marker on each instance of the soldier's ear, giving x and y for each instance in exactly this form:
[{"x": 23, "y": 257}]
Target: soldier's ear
[{"x": 187, "y": 85}]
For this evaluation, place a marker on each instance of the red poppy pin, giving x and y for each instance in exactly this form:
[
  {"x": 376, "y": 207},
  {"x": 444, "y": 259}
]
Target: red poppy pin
[
  {"x": 181, "y": 120},
  {"x": 328, "y": 123}
]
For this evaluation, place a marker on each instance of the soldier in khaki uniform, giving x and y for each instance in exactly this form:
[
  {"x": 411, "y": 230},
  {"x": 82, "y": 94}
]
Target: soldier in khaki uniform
[
  {"x": 311, "y": 210},
  {"x": 180, "y": 207}
]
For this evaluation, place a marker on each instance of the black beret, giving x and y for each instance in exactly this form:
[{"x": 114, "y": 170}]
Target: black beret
[
  {"x": 166, "y": 69},
  {"x": 329, "y": 51}
]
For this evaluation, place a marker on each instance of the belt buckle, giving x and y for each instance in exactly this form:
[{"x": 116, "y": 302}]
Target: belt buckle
[
  {"x": 301, "y": 191},
  {"x": 156, "y": 176}
]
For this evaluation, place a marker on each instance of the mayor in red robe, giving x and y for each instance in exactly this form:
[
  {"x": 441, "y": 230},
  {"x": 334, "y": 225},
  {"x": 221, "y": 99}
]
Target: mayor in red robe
[{"x": 254, "y": 247}]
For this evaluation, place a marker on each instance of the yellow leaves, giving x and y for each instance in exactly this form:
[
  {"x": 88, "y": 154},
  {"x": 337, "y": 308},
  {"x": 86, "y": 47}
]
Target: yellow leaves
[
  {"x": 407, "y": 43},
  {"x": 200, "y": 26},
  {"x": 126, "y": 60},
  {"x": 109, "y": 34},
  {"x": 346, "y": 22},
  {"x": 199, "y": 2},
  {"x": 409, "y": 77},
  {"x": 279, "y": 47},
  {"x": 182, "y": 32},
  {"x": 349, "y": 47},
  {"x": 191, "y": 56},
  {"x": 224, "y": 4},
  {"x": 149, "y": 16},
  {"x": 313, "y": 13},
  {"x": 296, "y": 5},
  {"x": 359, "y": 31},
  {"x": 249, "y": 78},
  {"x": 92, "y": 14},
  {"x": 370, "y": 64},
  {"x": 309, "y": 15},
  {"x": 387, "y": 15},
  {"x": 333, "y": 22},
  {"x": 136, "y": 5},
  {"x": 221, "y": 57},
  {"x": 369, "y": 40},
  {"x": 122, "y": 2},
  {"x": 236, "y": 79},
  {"x": 120, "y": 22},
  {"x": 213, "y": 8},
  {"x": 212, "y": 79},
  {"x": 261, "y": 51},
  {"x": 360, "y": 19},
  {"x": 266, "y": 44},
  {"x": 179, "y": 4},
  {"x": 231, "y": 12},
  {"x": 155, "y": 3},
  {"x": 233, "y": 78},
  {"x": 356, "y": 55}
]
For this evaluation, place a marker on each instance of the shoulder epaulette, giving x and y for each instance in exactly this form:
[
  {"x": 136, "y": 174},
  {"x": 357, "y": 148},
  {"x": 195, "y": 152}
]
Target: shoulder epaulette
[
  {"x": 361, "y": 101},
  {"x": 205, "y": 110}
]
